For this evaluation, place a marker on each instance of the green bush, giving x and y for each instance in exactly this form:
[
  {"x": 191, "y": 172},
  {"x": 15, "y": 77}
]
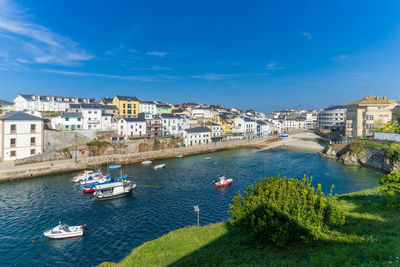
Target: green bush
[
  {"x": 390, "y": 184},
  {"x": 280, "y": 210},
  {"x": 96, "y": 143},
  {"x": 392, "y": 154}
]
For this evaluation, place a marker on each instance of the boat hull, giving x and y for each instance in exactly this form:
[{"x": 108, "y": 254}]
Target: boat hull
[
  {"x": 113, "y": 197},
  {"x": 228, "y": 182}
]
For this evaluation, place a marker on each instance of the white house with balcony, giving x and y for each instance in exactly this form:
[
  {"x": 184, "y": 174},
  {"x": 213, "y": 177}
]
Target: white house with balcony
[
  {"x": 197, "y": 136},
  {"x": 94, "y": 116},
  {"x": 216, "y": 132},
  {"x": 132, "y": 127},
  {"x": 21, "y": 136},
  {"x": 174, "y": 125}
]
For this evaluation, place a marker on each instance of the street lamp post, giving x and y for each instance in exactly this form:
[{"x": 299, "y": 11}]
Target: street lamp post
[
  {"x": 76, "y": 147},
  {"x": 196, "y": 209}
]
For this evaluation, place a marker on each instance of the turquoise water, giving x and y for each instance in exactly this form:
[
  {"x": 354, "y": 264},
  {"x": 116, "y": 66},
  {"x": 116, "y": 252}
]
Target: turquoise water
[{"x": 163, "y": 201}]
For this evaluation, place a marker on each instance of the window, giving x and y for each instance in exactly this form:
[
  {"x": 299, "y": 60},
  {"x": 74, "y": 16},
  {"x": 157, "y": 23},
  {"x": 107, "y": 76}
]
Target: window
[
  {"x": 33, "y": 128},
  {"x": 66, "y": 119},
  {"x": 79, "y": 126},
  {"x": 79, "y": 119},
  {"x": 129, "y": 111},
  {"x": 369, "y": 126},
  {"x": 129, "y": 105},
  {"x": 66, "y": 126},
  {"x": 90, "y": 112},
  {"x": 123, "y": 105},
  {"x": 13, "y": 142},
  {"x": 13, "y": 153},
  {"x": 13, "y": 128},
  {"x": 131, "y": 126},
  {"x": 95, "y": 112},
  {"x": 369, "y": 117},
  {"x": 33, "y": 141},
  {"x": 33, "y": 151}
]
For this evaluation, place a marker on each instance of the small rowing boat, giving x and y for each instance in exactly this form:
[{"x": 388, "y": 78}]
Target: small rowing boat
[
  {"x": 208, "y": 158},
  {"x": 159, "y": 166},
  {"x": 146, "y": 162},
  {"x": 180, "y": 156},
  {"x": 223, "y": 182}
]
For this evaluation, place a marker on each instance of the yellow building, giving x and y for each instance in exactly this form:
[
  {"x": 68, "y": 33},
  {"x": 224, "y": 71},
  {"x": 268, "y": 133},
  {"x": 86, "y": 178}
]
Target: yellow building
[
  {"x": 368, "y": 114},
  {"x": 226, "y": 122},
  {"x": 128, "y": 106}
]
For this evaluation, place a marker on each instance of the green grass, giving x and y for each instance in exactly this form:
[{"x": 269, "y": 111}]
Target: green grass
[
  {"x": 392, "y": 149},
  {"x": 370, "y": 237}
]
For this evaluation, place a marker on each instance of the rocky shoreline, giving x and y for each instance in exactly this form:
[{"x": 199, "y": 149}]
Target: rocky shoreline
[{"x": 369, "y": 157}]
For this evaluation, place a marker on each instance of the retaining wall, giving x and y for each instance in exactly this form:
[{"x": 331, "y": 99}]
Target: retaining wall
[{"x": 387, "y": 137}]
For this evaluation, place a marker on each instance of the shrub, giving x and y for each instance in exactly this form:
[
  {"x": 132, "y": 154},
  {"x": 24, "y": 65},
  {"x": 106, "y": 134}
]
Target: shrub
[
  {"x": 280, "y": 210},
  {"x": 392, "y": 154},
  {"x": 96, "y": 143},
  {"x": 390, "y": 184}
]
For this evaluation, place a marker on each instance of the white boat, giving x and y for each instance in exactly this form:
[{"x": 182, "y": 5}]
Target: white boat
[
  {"x": 146, "y": 162},
  {"x": 159, "y": 166},
  {"x": 83, "y": 175},
  {"x": 93, "y": 179},
  {"x": 64, "y": 231},
  {"x": 113, "y": 190}
]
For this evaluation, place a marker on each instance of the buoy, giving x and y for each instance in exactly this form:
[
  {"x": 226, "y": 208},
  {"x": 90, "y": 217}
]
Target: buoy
[{"x": 33, "y": 241}]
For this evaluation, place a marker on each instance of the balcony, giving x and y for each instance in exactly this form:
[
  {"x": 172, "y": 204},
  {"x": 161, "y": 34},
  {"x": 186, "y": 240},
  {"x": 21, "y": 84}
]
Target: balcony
[{"x": 93, "y": 122}]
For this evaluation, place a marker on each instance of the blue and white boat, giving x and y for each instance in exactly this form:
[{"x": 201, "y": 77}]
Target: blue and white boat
[{"x": 284, "y": 135}]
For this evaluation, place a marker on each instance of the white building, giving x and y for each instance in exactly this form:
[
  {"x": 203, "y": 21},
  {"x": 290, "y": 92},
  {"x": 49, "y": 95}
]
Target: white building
[
  {"x": 250, "y": 128},
  {"x": 332, "y": 118},
  {"x": 47, "y": 103},
  {"x": 147, "y": 107},
  {"x": 22, "y": 136},
  {"x": 94, "y": 116},
  {"x": 202, "y": 114},
  {"x": 294, "y": 124},
  {"x": 132, "y": 127},
  {"x": 263, "y": 129},
  {"x": 68, "y": 121},
  {"x": 216, "y": 132},
  {"x": 174, "y": 125},
  {"x": 239, "y": 126},
  {"x": 197, "y": 136}
]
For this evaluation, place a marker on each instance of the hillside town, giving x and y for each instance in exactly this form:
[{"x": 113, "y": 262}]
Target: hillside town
[{"x": 27, "y": 121}]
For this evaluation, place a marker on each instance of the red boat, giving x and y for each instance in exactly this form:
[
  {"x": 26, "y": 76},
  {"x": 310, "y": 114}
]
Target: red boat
[
  {"x": 208, "y": 158},
  {"x": 223, "y": 182}
]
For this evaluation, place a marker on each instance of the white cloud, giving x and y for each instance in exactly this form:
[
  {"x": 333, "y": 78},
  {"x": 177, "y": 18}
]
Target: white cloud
[
  {"x": 35, "y": 43},
  {"x": 273, "y": 66},
  {"x": 142, "y": 78},
  {"x": 307, "y": 35},
  {"x": 215, "y": 76},
  {"x": 341, "y": 57},
  {"x": 157, "y": 54}
]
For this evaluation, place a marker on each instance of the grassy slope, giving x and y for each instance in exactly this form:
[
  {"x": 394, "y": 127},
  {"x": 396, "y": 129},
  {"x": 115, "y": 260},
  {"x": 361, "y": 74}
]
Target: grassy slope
[{"x": 370, "y": 237}]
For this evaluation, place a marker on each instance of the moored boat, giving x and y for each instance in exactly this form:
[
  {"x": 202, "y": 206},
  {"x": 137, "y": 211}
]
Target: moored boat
[
  {"x": 179, "y": 156},
  {"x": 88, "y": 188},
  {"x": 208, "y": 158},
  {"x": 93, "y": 179},
  {"x": 113, "y": 190},
  {"x": 83, "y": 175},
  {"x": 284, "y": 135},
  {"x": 64, "y": 231},
  {"x": 159, "y": 166},
  {"x": 146, "y": 162},
  {"x": 223, "y": 182}
]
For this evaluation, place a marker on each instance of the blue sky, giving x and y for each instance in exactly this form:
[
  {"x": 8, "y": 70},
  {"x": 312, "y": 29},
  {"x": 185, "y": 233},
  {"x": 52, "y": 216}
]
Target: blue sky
[{"x": 264, "y": 55}]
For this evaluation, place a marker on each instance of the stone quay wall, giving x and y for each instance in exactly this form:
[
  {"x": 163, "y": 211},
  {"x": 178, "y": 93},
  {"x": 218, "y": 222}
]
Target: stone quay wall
[{"x": 54, "y": 167}]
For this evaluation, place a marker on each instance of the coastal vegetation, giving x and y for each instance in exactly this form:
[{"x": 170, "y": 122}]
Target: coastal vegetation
[
  {"x": 390, "y": 185},
  {"x": 392, "y": 149},
  {"x": 370, "y": 236},
  {"x": 279, "y": 211}
]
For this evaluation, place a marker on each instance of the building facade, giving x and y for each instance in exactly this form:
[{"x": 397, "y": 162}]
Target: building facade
[
  {"x": 132, "y": 127},
  {"x": 368, "y": 114},
  {"x": 22, "y": 135},
  {"x": 174, "y": 125},
  {"x": 197, "y": 136},
  {"x": 47, "y": 103},
  {"x": 332, "y": 118},
  {"x": 147, "y": 107},
  {"x": 128, "y": 106},
  {"x": 68, "y": 121}
]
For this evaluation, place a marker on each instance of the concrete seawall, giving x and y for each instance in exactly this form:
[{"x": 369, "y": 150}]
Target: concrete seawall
[{"x": 8, "y": 173}]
